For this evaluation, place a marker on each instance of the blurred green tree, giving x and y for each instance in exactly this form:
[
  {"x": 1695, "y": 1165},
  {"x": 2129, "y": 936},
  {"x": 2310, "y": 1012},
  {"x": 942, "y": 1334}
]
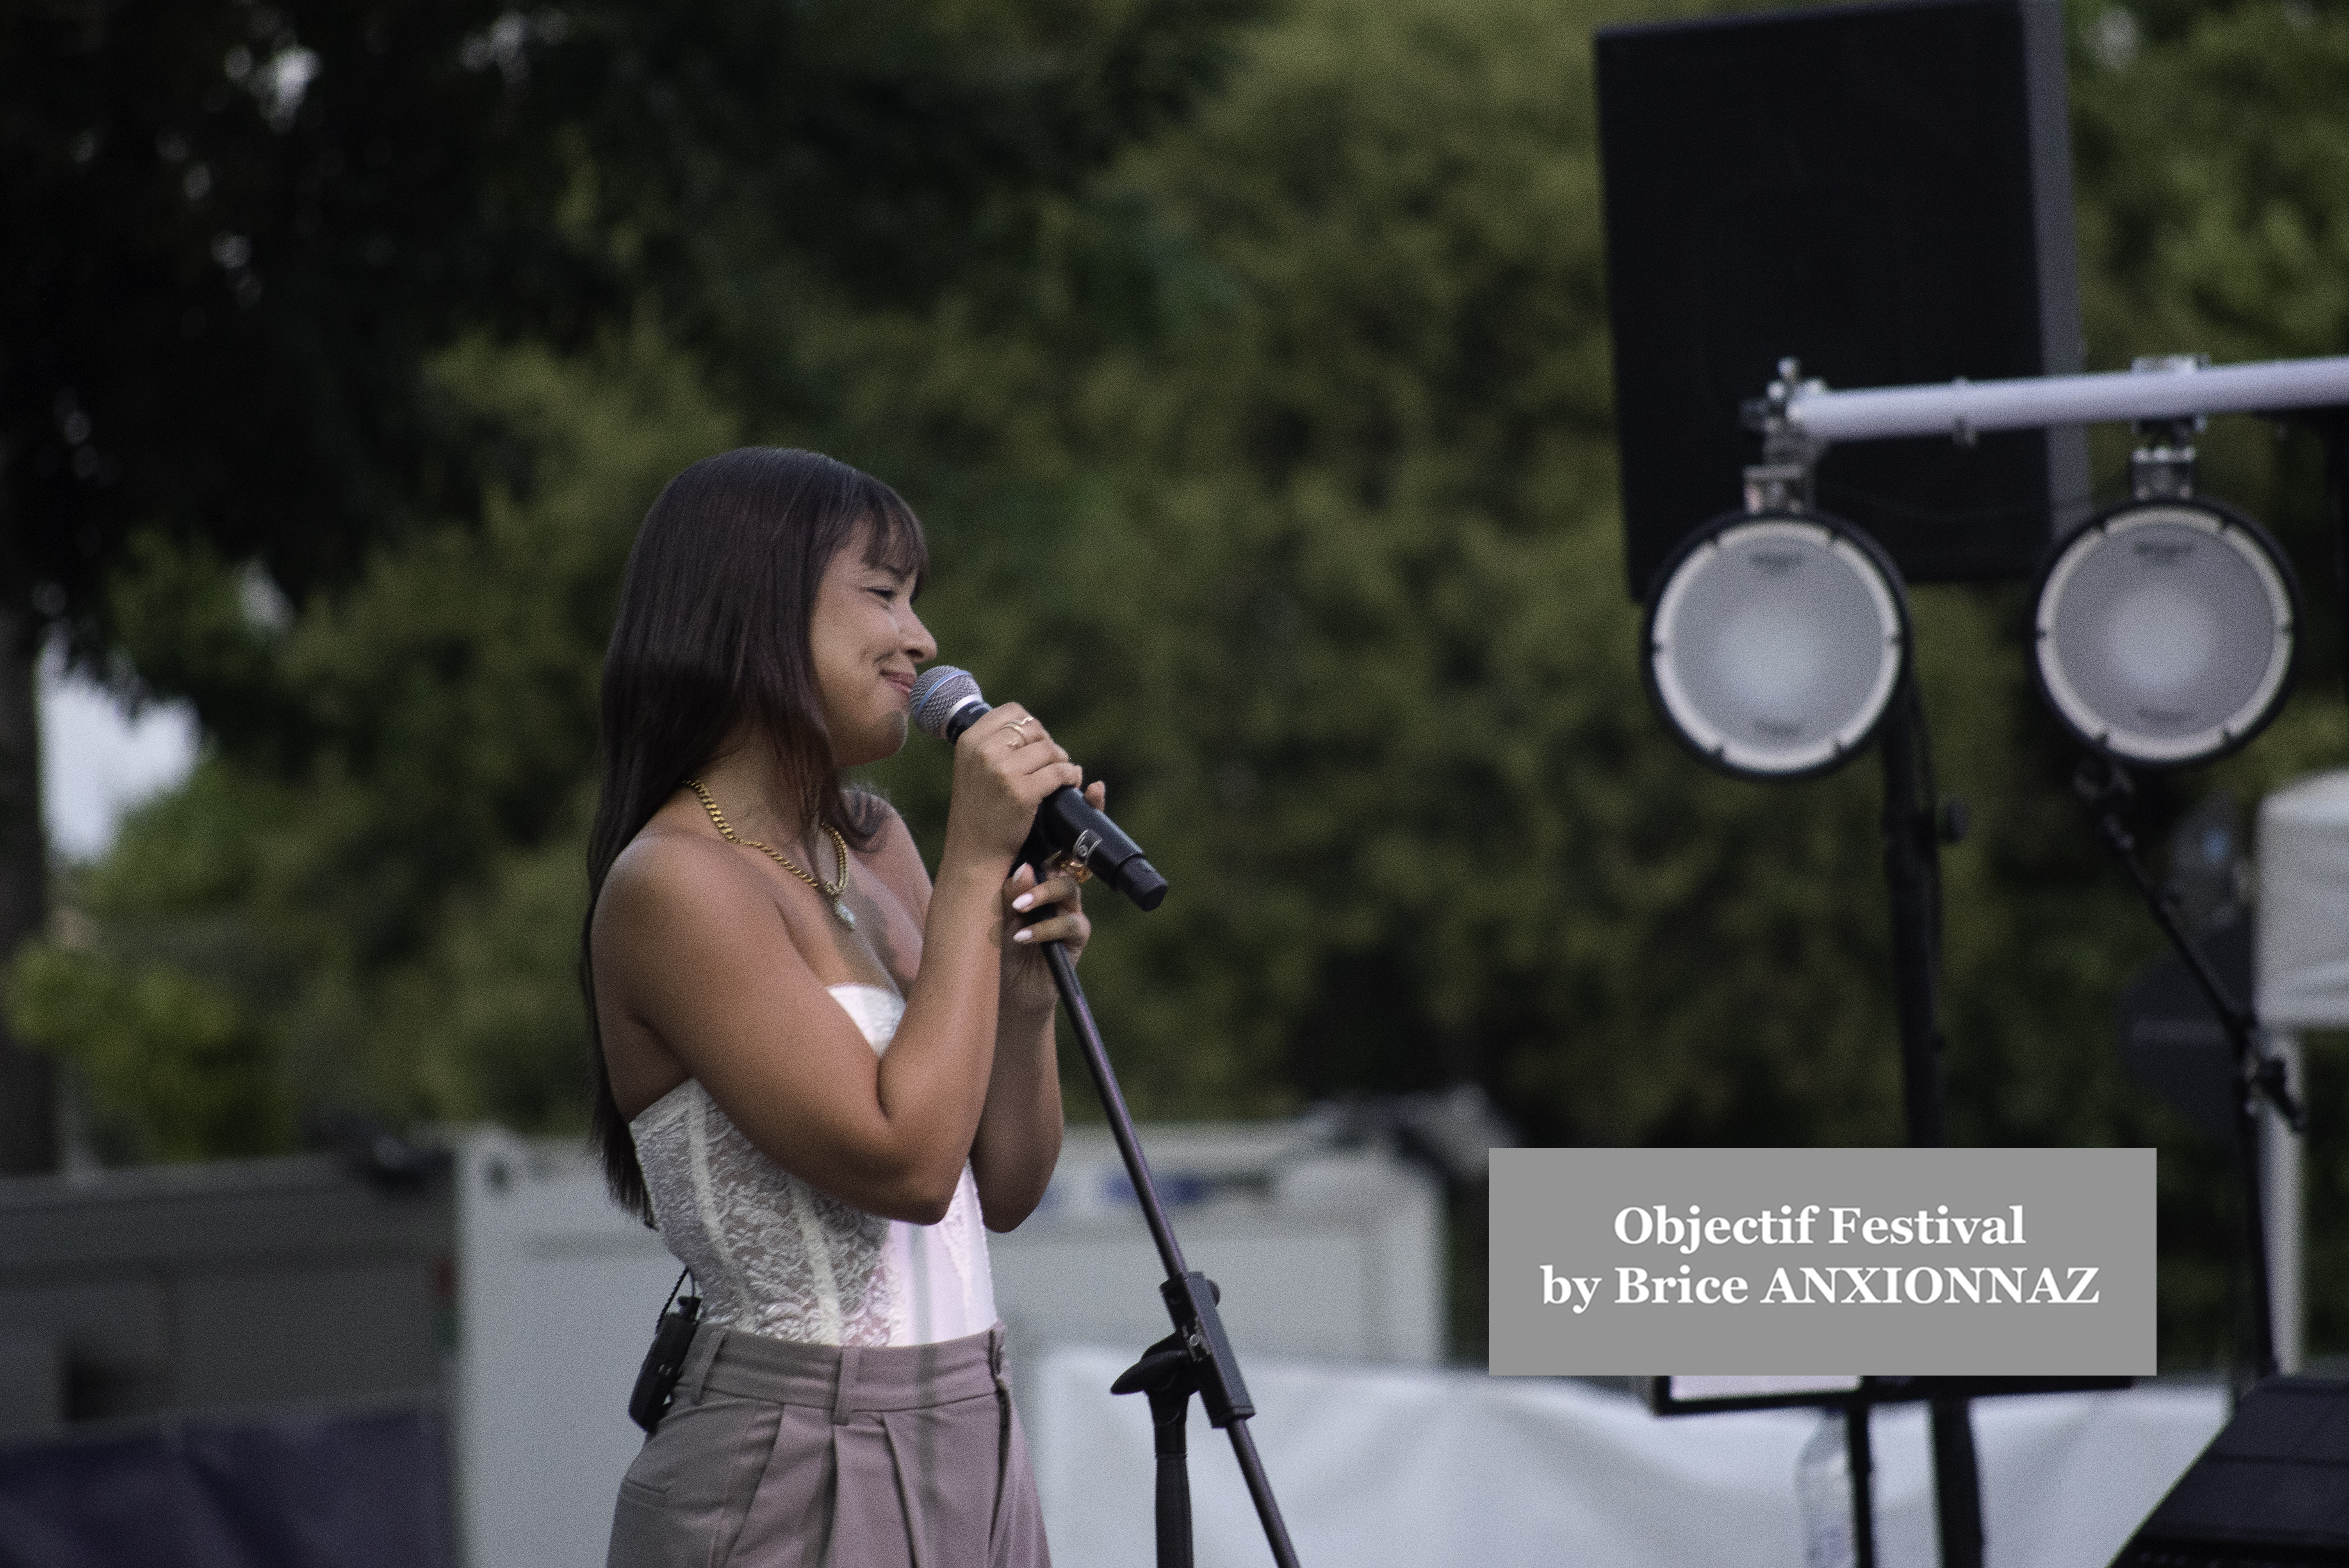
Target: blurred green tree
[
  {"x": 398, "y": 920},
  {"x": 1335, "y": 615},
  {"x": 1277, "y": 469},
  {"x": 238, "y": 232}
]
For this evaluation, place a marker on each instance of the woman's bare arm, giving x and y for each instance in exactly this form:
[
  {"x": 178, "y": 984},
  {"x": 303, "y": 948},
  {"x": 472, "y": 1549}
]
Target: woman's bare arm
[
  {"x": 1018, "y": 1139},
  {"x": 1020, "y": 1133},
  {"x": 690, "y": 942}
]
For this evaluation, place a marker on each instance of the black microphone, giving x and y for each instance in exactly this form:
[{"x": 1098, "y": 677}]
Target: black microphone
[{"x": 946, "y": 702}]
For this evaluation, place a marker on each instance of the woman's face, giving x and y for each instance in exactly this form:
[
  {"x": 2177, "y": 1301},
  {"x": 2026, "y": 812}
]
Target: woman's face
[{"x": 866, "y": 641}]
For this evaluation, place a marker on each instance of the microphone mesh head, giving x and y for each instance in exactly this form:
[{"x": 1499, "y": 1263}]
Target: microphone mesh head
[{"x": 937, "y": 692}]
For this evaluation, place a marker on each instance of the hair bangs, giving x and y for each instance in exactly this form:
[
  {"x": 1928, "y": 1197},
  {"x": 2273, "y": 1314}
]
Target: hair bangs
[{"x": 894, "y": 539}]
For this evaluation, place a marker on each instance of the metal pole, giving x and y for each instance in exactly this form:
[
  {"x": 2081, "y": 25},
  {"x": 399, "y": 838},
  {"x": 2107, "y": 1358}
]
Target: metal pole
[
  {"x": 1911, "y": 875},
  {"x": 1859, "y": 1459},
  {"x": 2108, "y": 789},
  {"x": 1112, "y": 1099},
  {"x": 2028, "y": 403},
  {"x": 1189, "y": 1297},
  {"x": 1908, "y": 874},
  {"x": 1957, "y": 1481},
  {"x": 1168, "y": 1414},
  {"x": 2279, "y": 1168}
]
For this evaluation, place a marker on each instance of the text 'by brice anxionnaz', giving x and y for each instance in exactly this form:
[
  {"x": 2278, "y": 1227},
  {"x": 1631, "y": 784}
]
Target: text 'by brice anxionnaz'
[{"x": 1910, "y": 1280}]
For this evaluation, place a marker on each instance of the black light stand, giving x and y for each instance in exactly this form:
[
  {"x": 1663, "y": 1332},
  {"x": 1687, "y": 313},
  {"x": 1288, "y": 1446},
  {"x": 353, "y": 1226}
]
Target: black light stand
[
  {"x": 2108, "y": 789},
  {"x": 2332, "y": 427},
  {"x": 1799, "y": 420},
  {"x": 1913, "y": 827},
  {"x": 1913, "y": 830},
  {"x": 1860, "y": 1461},
  {"x": 1197, "y": 1356}
]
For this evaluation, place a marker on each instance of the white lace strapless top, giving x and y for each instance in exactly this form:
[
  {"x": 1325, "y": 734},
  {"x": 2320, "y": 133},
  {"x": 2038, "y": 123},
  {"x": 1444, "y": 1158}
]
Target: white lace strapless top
[{"x": 773, "y": 1256}]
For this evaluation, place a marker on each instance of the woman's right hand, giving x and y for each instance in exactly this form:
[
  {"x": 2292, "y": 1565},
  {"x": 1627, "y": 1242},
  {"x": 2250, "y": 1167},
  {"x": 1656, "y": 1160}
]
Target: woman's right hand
[{"x": 1004, "y": 766}]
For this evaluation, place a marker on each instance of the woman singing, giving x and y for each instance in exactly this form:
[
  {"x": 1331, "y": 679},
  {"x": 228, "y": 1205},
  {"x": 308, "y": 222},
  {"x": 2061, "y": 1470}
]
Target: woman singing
[{"x": 821, "y": 1070}]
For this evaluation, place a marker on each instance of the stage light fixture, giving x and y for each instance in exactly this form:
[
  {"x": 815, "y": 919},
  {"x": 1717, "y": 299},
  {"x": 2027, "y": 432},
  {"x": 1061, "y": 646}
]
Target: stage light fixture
[
  {"x": 2163, "y": 631},
  {"x": 1776, "y": 643}
]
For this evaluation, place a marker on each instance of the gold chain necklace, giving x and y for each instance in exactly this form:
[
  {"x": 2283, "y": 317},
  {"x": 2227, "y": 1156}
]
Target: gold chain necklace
[{"x": 832, "y": 891}]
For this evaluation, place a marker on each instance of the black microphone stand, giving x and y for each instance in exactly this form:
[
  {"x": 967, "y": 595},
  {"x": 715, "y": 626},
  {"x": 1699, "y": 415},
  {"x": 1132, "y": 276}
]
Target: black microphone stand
[
  {"x": 2107, "y": 789},
  {"x": 1197, "y": 1358}
]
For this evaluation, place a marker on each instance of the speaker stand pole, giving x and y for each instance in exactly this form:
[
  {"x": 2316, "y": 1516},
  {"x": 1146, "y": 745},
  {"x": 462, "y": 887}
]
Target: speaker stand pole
[
  {"x": 1861, "y": 1462},
  {"x": 2333, "y": 425},
  {"x": 1912, "y": 877},
  {"x": 1198, "y": 1356}
]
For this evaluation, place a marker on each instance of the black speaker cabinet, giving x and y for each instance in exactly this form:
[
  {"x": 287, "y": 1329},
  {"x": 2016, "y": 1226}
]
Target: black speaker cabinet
[
  {"x": 2272, "y": 1488},
  {"x": 1883, "y": 191}
]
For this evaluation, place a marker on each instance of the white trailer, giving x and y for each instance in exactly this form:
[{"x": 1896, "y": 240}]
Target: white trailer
[{"x": 504, "y": 1306}]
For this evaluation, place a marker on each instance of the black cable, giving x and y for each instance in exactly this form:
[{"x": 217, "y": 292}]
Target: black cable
[
  {"x": 1932, "y": 823},
  {"x": 2333, "y": 428}
]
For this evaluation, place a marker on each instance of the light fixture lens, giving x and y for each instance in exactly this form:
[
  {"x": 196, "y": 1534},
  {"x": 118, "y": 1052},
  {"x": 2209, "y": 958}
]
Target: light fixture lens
[
  {"x": 1776, "y": 643},
  {"x": 2164, "y": 632}
]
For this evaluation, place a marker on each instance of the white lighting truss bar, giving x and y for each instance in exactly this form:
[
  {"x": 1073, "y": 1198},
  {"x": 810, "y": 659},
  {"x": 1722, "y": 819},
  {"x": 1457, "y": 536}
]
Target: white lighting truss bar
[{"x": 2031, "y": 402}]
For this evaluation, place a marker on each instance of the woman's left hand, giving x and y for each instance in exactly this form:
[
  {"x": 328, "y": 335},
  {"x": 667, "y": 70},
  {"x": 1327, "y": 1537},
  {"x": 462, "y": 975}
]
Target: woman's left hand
[{"x": 1025, "y": 977}]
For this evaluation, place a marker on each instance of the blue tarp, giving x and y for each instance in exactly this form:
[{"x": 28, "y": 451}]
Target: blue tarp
[{"x": 292, "y": 1492}]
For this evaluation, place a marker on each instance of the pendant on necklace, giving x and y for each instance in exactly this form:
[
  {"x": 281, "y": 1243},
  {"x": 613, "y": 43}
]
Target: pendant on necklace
[{"x": 840, "y": 908}]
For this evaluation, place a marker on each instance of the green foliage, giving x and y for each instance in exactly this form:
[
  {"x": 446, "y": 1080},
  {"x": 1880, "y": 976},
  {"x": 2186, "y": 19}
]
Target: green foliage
[
  {"x": 1334, "y": 611},
  {"x": 1339, "y": 620},
  {"x": 182, "y": 1071},
  {"x": 402, "y": 903},
  {"x": 2211, "y": 155},
  {"x": 1279, "y": 474},
  {"x": 432, "y": 865},
  {"x": 239, "y": 232}
]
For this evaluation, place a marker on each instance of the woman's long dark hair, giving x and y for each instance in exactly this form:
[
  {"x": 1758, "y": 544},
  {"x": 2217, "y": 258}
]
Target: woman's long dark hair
[{"x": 713, "y": 629}]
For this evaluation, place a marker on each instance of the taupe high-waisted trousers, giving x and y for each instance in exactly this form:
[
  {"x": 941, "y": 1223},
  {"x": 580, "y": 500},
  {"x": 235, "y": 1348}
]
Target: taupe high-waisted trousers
[{"x": 780, "y": 1454}]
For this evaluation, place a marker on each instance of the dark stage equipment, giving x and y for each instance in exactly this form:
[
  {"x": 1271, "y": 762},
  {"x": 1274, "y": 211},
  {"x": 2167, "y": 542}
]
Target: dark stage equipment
[
  {"x": 2169, "y": 1041},
  {"x": 1856, "y": 1398},
  {"x": 2107, "y": 788},
  {"x": 2164, "y": 636},
  {"x": 2165, "y": 633},
  {"x": 1697, "y": 1396},
  {"x": 1775, "y": 646},
  {"x": 2270, "y": 1490},
  {"x": 1870, "y": 196},
  {"x": 1882, "y": 191}
]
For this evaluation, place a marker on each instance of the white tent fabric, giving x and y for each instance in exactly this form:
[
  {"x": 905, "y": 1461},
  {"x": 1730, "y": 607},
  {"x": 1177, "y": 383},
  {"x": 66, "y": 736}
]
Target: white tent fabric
[
  {"x": 2303, "y": 905},
  {"x": 1378, "y": 1465}
]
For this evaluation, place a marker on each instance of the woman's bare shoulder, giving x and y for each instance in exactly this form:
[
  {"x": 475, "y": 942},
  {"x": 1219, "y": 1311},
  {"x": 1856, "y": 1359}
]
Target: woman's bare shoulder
[{"x": 675, "y": 880}]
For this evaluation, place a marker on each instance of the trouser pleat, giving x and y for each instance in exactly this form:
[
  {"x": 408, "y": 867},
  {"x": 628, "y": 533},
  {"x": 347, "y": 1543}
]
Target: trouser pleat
[{"x": 780, "y": 1454}]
